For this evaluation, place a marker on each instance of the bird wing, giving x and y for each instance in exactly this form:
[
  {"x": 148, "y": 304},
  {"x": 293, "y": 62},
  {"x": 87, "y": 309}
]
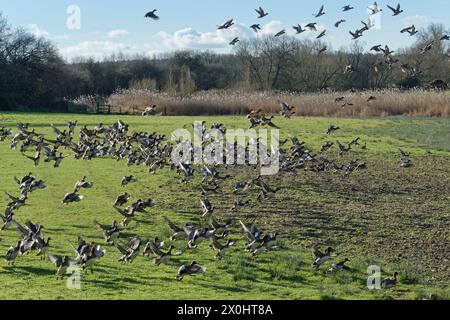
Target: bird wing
[
  {"x": 102, "y": 226},
  {"x": 155, "y": 249},
  {"x": 216, "y": 243},
  {"x": 31, "y": 226},
  {"x": 23, "y": 232},
  {"x": 56, "y": 130},
  {"x": 179, "y": 253},
  {"x": 134, "y": 243},
  {"x": 247, "y": 230},
  {"x": 171, "y": 225},
  {"x": 31, "y": 158},
  {"x": 122, "y": 212},
  {"x": 121, "y": 248},
  {"x": 197, "y": 269},
  {"x": 57, "y": 260},
  {"x": 11, "y": 196}
]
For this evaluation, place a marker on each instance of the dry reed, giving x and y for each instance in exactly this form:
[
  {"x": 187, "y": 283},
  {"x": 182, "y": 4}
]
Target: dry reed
[{"x": 221, "y": 102}]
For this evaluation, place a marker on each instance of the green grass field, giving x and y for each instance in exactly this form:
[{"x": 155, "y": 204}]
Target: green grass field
[{"x": 398, "y": 219}]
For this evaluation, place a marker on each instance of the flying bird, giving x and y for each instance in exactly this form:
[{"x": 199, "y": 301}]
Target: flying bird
[
  {"x": 226, "y": 25},
  {"x": 189, "y": 269},
  {"x": 375, "y": 8},
  {"x": 427, "y": 47},
  {"x": 321, "y": 34},
  {"x": 367, "y": 25},
  {"x": 255, "y": 27},
  {"x": 411, "y": 30},
  {"x": 350, "y": 69},
  {"x": 321, "y": 12},
  {"x": 299, "y": 29},
  {"x": 338, "y": 23},
  {"x": 376, "y": 48},
  {"x": 152, "y": 15},
  {"x": 347, "y": 8},
  {"x": 261, "y": 12},
  {"x": 322, "y": 50},
  {"x": 332, "y": 128},
  {"x": 357, "y": 34},
  {"x": 280, "y": 33},
  {"x": 386, "y": 51},
  {"x": 311, "y": 26},
  {"x": 234, "y": 41},
  {"x": 396, "y": 10}
]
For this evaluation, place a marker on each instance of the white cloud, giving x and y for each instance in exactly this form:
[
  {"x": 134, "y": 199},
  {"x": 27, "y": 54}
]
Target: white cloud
[
  {"x": 38, "y": 32},
  {"x": 217, "y": 40},
  {"x": 417, "y": 20},
  {"x": 184, "y": 39},
  {"x": 95, "y": 49},
  {"x": 117, "y": 33},
  {"x": 189, "y": 38}
]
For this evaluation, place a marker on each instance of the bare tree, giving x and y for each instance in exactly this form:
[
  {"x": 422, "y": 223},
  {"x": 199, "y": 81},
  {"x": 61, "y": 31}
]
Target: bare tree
[{"x": 267, "y": 58}]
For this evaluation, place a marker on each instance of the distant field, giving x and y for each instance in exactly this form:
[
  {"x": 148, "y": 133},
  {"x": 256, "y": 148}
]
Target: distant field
[
  {"x": 396, "y": 218},
  {"x": 219, "y": 102}
]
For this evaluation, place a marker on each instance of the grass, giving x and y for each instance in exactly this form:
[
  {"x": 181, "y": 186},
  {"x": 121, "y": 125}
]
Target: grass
[
  {"x": 397, "y": 219},
  {"x": 220, "y": 102}
]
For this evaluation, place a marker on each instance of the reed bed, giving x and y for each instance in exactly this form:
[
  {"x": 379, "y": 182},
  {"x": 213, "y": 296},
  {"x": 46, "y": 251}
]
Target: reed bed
[{"x": 222, "y": 102}]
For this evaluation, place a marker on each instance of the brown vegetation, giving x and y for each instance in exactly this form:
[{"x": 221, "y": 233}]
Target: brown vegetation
[{"x": 222, "y": 102}]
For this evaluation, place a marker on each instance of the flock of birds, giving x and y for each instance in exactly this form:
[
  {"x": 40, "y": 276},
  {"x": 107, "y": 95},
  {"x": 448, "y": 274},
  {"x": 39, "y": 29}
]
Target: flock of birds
[
  {"x": 388, "y": 59},
  {"x": 154, "y": 151}
]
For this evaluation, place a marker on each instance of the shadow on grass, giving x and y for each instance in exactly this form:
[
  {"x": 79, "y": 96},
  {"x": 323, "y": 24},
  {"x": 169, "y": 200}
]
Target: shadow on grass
[
  {"x": 225, "y": 288},
  {"x": 28, "y": 270}
]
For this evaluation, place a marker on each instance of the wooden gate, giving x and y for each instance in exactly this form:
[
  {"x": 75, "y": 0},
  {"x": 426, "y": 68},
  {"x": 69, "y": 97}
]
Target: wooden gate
[{"x": 103, "y": 108}]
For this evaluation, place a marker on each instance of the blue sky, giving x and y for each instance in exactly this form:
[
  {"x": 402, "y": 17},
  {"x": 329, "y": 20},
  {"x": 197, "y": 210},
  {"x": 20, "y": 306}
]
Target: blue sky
[{"x": 115, "y": 25}]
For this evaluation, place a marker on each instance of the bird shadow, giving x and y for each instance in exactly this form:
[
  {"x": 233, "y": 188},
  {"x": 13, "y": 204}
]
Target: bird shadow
[
  {"x": 28, "y": 270},
  {"x": 225, "y": 288}
]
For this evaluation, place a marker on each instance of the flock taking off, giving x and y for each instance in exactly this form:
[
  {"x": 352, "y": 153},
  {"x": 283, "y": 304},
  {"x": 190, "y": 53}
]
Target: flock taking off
[{"x": 153, "y": 151}]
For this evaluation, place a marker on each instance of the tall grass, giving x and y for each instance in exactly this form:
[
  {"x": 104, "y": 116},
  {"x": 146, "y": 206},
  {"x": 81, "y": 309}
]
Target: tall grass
[{"x": 224, "y": 102}]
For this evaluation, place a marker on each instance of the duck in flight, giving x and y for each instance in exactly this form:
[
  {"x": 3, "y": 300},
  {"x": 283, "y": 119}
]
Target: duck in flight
[
  {"x": 152, "y": 15},
  {"x": 357, "y": 34},
  {"x": 375, "y": 8},
  {"x": 299, "y": 29},
  {"x": 338, "y": 23},
  {"x": 411, "y": 30},
  {"x": 321, "y": 34},
  {"x": 255, "y": 27},
  {"x": 226, "y": 25},
  {"x": 396, "y": 10},
  {"x": 321, "y": 12},
  {"x": 234, "y": 41},
  {"x": 311, "y": 26},
  {"x": 347, "y": 8},
  {"x": 261, "y": 13},
  {"x": 280, "y": 33}
]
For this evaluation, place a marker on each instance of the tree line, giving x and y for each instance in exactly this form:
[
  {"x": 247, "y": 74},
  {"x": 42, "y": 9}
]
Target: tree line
[{"x": 34, "y": 76}]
